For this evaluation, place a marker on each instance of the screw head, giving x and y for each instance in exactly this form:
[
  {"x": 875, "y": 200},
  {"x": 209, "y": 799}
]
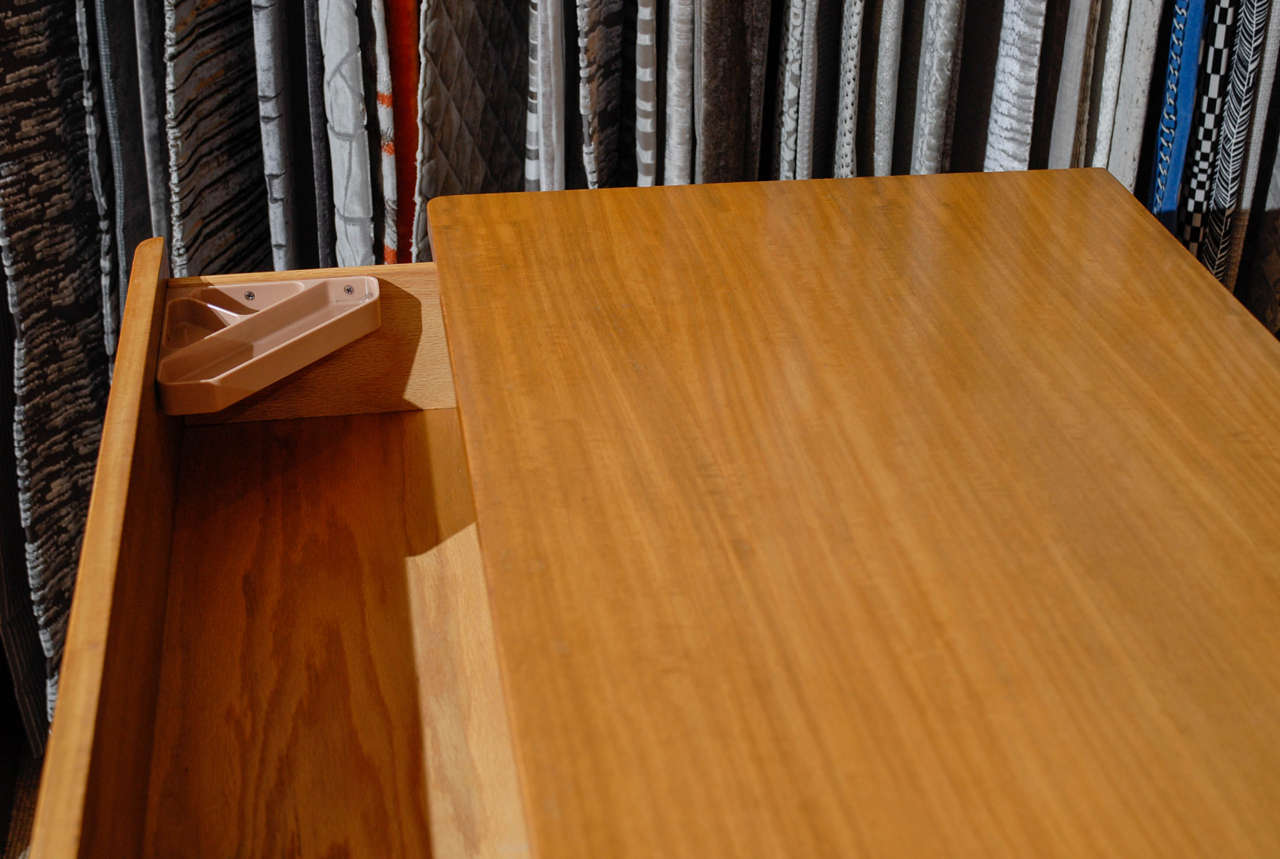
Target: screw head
[
  {"x": 349, "y": 289},
  {"x": 248, "y": 295}
]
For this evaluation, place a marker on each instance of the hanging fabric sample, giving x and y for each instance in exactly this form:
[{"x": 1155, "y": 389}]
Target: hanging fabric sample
[
  {"x": 544, "y": 125},
  {"x": 402, "y": 44},
  {"x": 1211, "y": 98},
  {"x": 218, "y": 203},
  {"x": 1014, "y": 93},
  {"x": 49, "y": 245},
  {"x": 935, "y": 84},
  {"x": 270, "y": 53},
  {"x": 845, "y": 150},
  {"x": 1109, "y": 60},
  {"x": 318, "y": 134},
  {"x": 1177, "y": 112},
  {"x": 99, "y": 171},
  {"x": 886, "y": 86},
  {"x": 1233, "y": 138},
  {"x": 797, "y": 76},
  {"x": 733, "y": 50},
  {"x": 677, "y": 159},
  {"x": 1253, "y": 162},
  {"x": 647, "y": 72},
  {"x": 473, "y": 93},
  {"x": 600, "y": 88},
  {"x": 1135, "y": 83},
  {"x": 386, "y": 130},
  {"x": 348, "y": 139}
]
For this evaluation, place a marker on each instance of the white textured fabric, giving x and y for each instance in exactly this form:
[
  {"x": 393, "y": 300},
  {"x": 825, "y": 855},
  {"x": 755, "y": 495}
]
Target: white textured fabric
[
  {"x": 1107, "y": 84},
  {"x": 808, "y": 91},
  {"x": 846, "y": 161},
  {"x": 268, "y": 37},
  {"x": 348, "y": 140},
  {"x": 887, "y": 59},
  {"x": 677, "y": 158},
  {"x": 1013, "y": 95},
  {"x": 550, "y": 83},
  {"x": 790, "y": 69},
  {"x": 1072, "y": 103},
  {"x": 1127, "y": 134},
  {"x": 939, "y": 62}
]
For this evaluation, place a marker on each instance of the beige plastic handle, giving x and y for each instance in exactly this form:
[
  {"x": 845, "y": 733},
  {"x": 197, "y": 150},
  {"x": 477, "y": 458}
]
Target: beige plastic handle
[{"x": 224, "y": 348}]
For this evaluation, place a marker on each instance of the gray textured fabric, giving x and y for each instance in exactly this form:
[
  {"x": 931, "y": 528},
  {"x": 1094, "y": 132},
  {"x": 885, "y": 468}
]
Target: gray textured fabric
[
  {"x": 148, "y": 20},
  {"x": 808, "y": 92},
  {"x": 1109, "y": 60},
  {"x": 1071, "y": 108},
  {"x": 845, "y": 150},
  {"x": 99, "y": 171},
  {"x": 886, "y": 89},
  {"x": 348, "y": 138},
  {"x": 797, "y": 45},
  {"x": 118, "y": 67},
  {"x": 218, "y": 204},
  {"x": 1262, "y": 291},
  {"x": 473, "y": 97},
  {"x": 733, "y": 50},
  {"x": 318, "y": 134},
  {"x": 677, "y": 158},
  {"x": 1233, "y": 139},
  {"x": 1014, "y": 92},
  {"x": 270, "y": 54},
  {"x": 935, "y": 84},
  {"x": 1128, "y": 133},
  {"x": 1266, "y": 84},
  {"x": 49, "y": 246}
]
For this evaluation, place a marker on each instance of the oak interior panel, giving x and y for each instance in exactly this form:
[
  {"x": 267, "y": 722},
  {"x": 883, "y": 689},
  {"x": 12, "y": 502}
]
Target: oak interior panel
[
  {"x": 329, "y": 684},
  {"x": 915, "y": 516},
  {"x": 93, "y": 785}
]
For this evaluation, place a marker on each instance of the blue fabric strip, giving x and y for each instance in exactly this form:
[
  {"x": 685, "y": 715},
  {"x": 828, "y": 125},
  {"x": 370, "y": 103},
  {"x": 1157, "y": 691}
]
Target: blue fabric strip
[{"x": 1179, "y": 108}]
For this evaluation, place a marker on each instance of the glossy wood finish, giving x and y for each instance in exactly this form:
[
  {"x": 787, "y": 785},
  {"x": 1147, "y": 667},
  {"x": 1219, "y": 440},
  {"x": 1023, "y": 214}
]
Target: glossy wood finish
[
  {"x": 329, "y": 684},
  {"x": 402, "y": 365},
  {"x": 900, "y": 517},
  {"x": 94, "y": 782}
]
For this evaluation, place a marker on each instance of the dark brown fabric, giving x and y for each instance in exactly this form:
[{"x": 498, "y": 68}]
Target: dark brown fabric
[{"x": 734, "y": 40}]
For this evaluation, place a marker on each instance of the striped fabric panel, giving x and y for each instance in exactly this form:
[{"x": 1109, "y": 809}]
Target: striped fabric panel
[
  {"x": 1107, "y": 85},
  {"x": 386, "y": 129},
  {"x": 348, "y": 137},
  {"x": 532, "y": 129},
  {"x": 1233, "y": 140},
  {"x": 677, "y": 156},
  {"x": 547, "y": 87},
  {"x": 600, "y": 87},
  {"x": 939, "y": 64},
  {"x": 1128, "y": 133},
  {"x": 1240, "y": 224},
  {"x": 845, "y": 156},
  {"x": 49, "y": 245},
  {"x": 218, "y": 202},
  {"x": 886, "y": 86},
  {"x": 269, "y": 36},
  {"x": 646, "y": 92},
  {"x": 1212, "y": 91},
  {"x": 1177, "y": 111},
  {"x": 1014, "y": 93}
]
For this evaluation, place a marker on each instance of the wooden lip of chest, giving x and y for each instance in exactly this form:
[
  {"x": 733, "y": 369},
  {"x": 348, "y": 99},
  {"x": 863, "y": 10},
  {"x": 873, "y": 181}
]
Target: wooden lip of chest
[{"x": 247, "y": 667}]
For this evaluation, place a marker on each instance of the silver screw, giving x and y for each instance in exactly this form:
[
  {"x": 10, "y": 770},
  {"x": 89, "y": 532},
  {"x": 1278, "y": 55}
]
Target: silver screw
[
  {"x": 349, "y": 289},
  {"x": 249, "y": 296}
]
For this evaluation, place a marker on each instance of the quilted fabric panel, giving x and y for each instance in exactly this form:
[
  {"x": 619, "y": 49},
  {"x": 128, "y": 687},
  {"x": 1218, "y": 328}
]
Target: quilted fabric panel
[{"x": 474, "y": 82}]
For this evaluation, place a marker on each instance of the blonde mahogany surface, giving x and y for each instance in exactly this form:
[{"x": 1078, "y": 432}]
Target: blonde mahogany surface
[{"x": 889, "y": 517}]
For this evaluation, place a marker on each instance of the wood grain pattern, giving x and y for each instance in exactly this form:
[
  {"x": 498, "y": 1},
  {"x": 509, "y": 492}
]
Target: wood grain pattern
[
  {"x": 402, "y": 365},
  {"x": 889, "y": 517},
  {"x": 93, "y": 787},
  {"x": 329, "y": 684}
]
